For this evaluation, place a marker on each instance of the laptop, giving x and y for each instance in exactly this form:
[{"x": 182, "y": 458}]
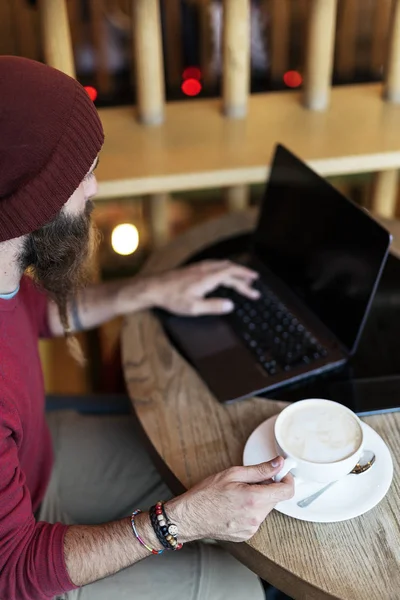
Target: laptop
[{"x": 319, "y": 257}]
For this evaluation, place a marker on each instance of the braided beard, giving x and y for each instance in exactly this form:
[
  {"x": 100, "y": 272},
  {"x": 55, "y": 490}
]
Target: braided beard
[{"x": 59, "y": 257}]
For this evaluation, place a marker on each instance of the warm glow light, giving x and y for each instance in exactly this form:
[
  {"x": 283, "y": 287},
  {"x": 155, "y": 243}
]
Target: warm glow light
[
  {"x": 125, "y": 239},
  {"x": 191, "y": 87},
  {"x": 293, "y": 79},
  {"x": 92, "y": 92}
]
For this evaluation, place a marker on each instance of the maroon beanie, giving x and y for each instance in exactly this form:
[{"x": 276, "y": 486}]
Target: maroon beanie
[{"x": 50, "y": 134}]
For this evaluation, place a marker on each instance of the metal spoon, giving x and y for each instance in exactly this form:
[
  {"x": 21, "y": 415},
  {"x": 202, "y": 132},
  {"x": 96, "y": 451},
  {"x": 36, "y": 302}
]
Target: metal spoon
[{"x": 366, "y": 461}]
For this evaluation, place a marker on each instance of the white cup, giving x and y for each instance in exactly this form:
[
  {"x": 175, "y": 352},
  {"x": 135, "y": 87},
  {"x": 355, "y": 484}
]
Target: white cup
[{"x": 323, "y": 472}]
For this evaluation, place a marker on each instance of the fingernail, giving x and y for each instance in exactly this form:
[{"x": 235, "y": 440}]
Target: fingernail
[
  {"x": 256, "y": 294},
  {"x": 228, "y": 306},
  {"x": 275, "y": 462}
]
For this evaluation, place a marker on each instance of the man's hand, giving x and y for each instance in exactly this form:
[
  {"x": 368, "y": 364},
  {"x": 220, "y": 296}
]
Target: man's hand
[
  {"x": 182, "y": 291},
  {"x": 231, "y": 505},
  {"x": 228, "y": 506}
]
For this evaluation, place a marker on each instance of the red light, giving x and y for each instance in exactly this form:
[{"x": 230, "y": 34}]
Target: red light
[
  {"x": 191, "y": 73},
  {"x": 293, "y": 79},
  {"x": 92, "y": 92},
  {"x": 191, "y": 87}
]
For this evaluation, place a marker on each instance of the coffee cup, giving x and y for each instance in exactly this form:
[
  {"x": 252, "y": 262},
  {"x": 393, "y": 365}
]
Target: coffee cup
[{"x": 320, "y": 440}]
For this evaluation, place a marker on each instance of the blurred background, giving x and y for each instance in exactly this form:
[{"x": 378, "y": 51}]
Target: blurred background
[{"x": 102, "y": 37}]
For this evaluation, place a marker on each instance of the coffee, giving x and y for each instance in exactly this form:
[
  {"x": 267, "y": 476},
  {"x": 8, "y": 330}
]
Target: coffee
[{"x": 320, "y": 433}]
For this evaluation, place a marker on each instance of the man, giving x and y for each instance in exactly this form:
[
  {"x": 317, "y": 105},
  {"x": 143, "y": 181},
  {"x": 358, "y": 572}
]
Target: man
[{"x": 65, "y": 528}]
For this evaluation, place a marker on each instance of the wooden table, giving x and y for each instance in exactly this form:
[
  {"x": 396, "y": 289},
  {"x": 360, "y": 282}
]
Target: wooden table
[{"x": 195, "y": 436}]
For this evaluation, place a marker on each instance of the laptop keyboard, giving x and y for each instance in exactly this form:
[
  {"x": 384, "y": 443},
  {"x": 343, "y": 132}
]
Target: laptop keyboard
[{"x": 278, "y": 340}]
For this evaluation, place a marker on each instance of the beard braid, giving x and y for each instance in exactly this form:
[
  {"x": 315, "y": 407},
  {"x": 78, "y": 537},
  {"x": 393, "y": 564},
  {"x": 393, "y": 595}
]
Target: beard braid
[
  {"x": 59, "y": 258},
  {"x": 73, "y": 344}
]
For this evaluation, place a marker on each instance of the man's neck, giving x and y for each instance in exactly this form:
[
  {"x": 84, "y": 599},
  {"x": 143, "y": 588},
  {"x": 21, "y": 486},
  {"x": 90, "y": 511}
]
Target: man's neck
[{"x": 10, "y": 272}]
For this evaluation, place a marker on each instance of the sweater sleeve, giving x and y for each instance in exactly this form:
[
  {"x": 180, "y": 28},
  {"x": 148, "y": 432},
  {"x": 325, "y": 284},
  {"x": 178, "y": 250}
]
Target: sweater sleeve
[{"x": 32, "y": 563}]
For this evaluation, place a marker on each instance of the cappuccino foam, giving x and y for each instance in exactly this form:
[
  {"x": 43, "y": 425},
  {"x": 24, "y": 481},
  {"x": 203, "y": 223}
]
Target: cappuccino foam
[{"x": 320, "y": 434}]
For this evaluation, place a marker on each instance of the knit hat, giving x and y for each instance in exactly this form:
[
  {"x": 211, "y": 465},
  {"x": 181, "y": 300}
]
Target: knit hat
[{"x": 50, "y": 134}]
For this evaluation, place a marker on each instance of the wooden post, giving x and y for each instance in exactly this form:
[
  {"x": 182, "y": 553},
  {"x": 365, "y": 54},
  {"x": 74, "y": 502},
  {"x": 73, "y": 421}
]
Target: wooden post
[
  {"x": 380, "y": 28},
  {"x": 384, "y": 197},
  {"x": 236, "y": 57},
  {"x": 278, "y": 31},
  {"x": 147, "y": 51},
  {"x": 56, "y": 36},
  {"x": 156, "y": 209},
  {"x": 319, "y": 56},
  {"x": 392, "y": 78},
  {"x": 237, "y": 197},
  {"x": 346, "y": 38}
]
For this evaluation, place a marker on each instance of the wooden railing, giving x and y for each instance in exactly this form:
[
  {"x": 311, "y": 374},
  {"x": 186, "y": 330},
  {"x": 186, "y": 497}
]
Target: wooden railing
[{"x": 209, "y": 143}]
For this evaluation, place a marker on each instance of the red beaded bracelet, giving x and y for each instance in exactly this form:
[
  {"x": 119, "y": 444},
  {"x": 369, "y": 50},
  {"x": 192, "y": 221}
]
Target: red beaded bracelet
[
  {"x": 164, "y": 528},
  {"x": 134, "y": 514}
]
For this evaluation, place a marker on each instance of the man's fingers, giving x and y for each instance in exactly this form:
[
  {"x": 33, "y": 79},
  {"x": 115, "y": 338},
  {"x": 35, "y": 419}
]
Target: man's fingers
[
  {"x": 226, "y": 268},
  {"x": 211, "y": 306},
  {"x": 243, "y": 288},
  {"x": 258, "y": 473},
  {"x": 241, "y": 272},
  {"x": 264, "y": 472},
  {"x": 277, "y": 492},
  {"x": 227, "y": 279},
  {"x": 210, "y": 266},
  {"x": 221, "y": 306}
]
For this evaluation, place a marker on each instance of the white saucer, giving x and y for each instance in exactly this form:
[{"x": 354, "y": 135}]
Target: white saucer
[{"x": 348, "y": 498}]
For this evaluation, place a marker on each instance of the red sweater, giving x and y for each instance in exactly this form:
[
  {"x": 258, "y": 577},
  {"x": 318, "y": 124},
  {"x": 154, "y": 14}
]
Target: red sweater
[{"x": 32, "y": 565}]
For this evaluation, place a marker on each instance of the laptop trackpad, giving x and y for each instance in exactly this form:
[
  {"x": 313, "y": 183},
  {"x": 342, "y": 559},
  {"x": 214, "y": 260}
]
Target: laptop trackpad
[
  {"x": 222, "y": 361},
  {"x": 202, "y": 336}
]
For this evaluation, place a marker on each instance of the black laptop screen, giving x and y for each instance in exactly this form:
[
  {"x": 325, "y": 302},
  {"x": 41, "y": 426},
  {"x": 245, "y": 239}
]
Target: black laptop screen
[{"x": 324, "y": 247}]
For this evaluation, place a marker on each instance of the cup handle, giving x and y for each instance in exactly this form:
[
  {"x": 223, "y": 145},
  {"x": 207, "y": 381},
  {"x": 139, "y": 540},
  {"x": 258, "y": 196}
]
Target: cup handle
[{"x": 288, "y": 465}]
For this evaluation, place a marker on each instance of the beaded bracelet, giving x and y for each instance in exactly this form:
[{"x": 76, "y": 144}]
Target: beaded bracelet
[
  {"x": 165, "y": 531},
  {"x": 134, "y": 514},
  {"x": 158, "y": 529},
  {"x": 171, "y": 528}
]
